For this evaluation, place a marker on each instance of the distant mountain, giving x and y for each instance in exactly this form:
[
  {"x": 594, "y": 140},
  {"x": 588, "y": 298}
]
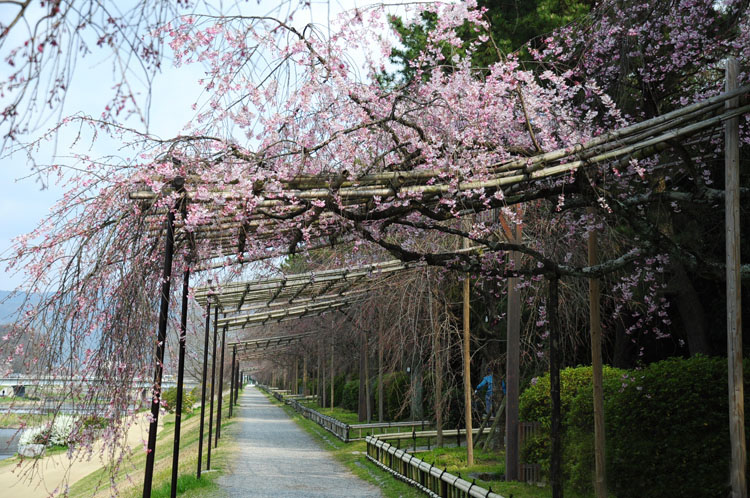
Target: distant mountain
[{"x": 9, "y": 306}]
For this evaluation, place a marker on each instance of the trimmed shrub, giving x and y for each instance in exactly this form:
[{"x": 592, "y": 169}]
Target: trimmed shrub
[
  {"x": 350, "y": 395},
  {"x": 667, "y": 430},
  {"x": 535, "y": 406},
  {"x": 578, "y": 449}
]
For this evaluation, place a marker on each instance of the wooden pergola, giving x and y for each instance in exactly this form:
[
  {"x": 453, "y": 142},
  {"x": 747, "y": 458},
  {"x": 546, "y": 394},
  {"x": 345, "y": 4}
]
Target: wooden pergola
[{"x": 347, "y": 200}]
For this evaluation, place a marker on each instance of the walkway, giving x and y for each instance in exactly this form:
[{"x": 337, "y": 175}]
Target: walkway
[{"x": 275, "y": 457}]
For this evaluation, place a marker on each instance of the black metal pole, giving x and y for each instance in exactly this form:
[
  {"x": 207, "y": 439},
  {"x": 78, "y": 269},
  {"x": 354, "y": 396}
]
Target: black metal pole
[
  {"x": 161, "y": 338},
  {"x": 221, "y": 385},
  {"x": 231, "y": 383},
  {"x": 213, "y": 378},
  {"x": 180, "y": 376},
  {"x": 237, "y": 384},
  {"x": 554, "y": 380},
  {"x": 203, "y": 388}
]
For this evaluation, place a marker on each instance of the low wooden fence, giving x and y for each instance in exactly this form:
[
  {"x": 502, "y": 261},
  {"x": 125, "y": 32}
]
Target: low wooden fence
[{"x": 427, "y": 478}]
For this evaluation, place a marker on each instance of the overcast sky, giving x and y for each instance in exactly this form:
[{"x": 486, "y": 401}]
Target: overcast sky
[{"x": 23, "y": 201}]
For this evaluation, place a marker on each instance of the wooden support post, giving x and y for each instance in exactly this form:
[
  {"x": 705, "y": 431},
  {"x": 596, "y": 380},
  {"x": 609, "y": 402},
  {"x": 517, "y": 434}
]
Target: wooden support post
[
  {"x": 304, "y": 375},
  {"x": 380, "y": 373},
  {"x": 319, "y": 372},
  {"x": 467, "y": 363},
  {"x": 203, "y": 388},
  {"x": 160, "y": 343},
  {"x": 734, "y": 285},
  {"x": 295, "y": 389},
  {"x": 437, "y": 355},
  {"x": 333, "y": 373},
  {"x": 362, "y": 403},
  {"x": 554, "y": 380},
  {"x": 180, "y": 377},
  {"x": 221, "y": 385},
  {"x": 368, "y": 397},
  {"x": 595, "y": 326}
]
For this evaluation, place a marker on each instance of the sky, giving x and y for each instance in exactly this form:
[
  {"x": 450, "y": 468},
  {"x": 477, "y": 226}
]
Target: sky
[{"x": 25, "y": 201}]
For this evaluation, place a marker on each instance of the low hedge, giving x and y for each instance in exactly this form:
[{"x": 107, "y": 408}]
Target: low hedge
[
  {"x": 535, "y": 406},
  {"x": 666, "y": 428}
]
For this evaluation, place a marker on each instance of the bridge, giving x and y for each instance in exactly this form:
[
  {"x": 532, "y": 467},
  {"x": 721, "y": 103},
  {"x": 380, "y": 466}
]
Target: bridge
[{"x": 19, "y": 382}]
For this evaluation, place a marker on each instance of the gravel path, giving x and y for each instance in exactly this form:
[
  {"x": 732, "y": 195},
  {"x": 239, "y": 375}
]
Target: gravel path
[{"x": 275, "y": 457}]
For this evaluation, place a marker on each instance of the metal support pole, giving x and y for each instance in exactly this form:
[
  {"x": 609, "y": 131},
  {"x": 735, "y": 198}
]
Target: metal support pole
[
  {"x": 231, "y": 381},
  {"x": 554, "y": 381},
  {"x": 203, "y": 388},
  {"x": 213, "y": 378},
  {"x": 160, "y": 340},
  {"x": 221, "y": 385},
  {"x": 237, "y": 385},
  {"x": 180, "y": 376}
]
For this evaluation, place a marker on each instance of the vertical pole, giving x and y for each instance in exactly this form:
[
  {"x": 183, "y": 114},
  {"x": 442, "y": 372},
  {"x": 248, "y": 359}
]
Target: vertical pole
[
  {"x": 600, "y": 483},
  {"x": 203, "y": 388},
  {"x": 734, "y": 286},
  {"x": 237, "y": 384},
  {"x": 467, "y": 364},
  {"x": 231, "y": 381},
  {"x": 362, "y": 404},
  {"x": 160, "y": 340},
  {"x": 368, "y": 401},
  {"x": 380, "y": 373},
  {"x": 333, "y": 373},
  {"x": 554, "y": 380},
  {"x": 180, "y": 376},
  {"x": 437, "y": 354},
  {"x": 295, "y": 389},
  {"x": 512, "y": 366},
  {"x": 213, "y": 378},
  {"x": 304, "y": 375},
  {"x": 221, "y": 385}
]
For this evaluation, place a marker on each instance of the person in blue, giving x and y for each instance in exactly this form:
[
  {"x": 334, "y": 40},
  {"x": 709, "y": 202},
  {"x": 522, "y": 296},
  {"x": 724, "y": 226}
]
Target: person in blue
[{"x": 487, "y": 383}]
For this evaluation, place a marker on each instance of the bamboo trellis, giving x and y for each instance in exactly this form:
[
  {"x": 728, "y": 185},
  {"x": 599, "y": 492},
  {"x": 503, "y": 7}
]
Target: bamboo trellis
[{"x": 515, "y": 178}]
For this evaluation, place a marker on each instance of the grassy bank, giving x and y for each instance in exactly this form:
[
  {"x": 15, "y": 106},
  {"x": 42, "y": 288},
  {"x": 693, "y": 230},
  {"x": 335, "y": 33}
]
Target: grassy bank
[{"x": 129, "y": 479}]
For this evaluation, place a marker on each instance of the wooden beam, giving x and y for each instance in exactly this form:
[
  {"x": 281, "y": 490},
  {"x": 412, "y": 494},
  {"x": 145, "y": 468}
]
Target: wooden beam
[{"x": 734, "y": 304}]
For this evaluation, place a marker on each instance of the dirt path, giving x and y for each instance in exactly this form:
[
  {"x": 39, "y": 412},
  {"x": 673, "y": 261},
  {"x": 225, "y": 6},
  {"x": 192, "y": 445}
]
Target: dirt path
[
  {"x": 275, "y": 457},
  {"x": 56, "y": 471}
]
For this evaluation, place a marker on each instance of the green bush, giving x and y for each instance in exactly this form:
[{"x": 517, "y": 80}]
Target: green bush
[
  {"x": 535, "y": 406},
  {"x": 667, "y": 430},
  {"x": 169, "y": 397},
  {"x": 350, "y": 395},
  {"x": 578, "y": 448}
]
